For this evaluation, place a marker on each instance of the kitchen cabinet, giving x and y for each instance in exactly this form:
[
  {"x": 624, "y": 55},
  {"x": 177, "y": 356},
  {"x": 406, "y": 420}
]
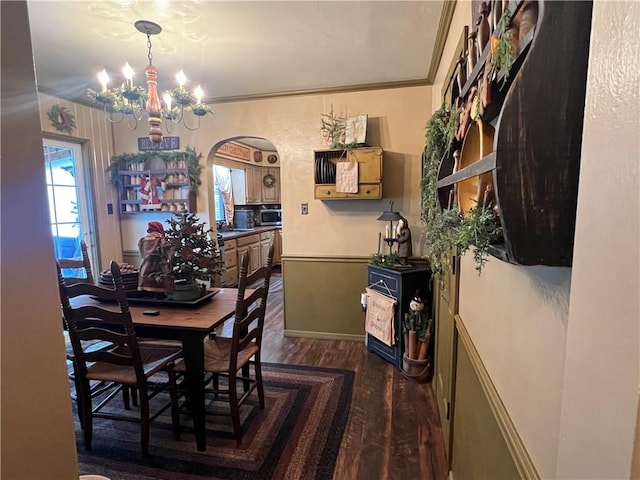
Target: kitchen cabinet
[
  {"x": 403, "y": 285},
  {"x": 277, "y": 249},
  {"x": 266, "y": 239},
  {"x": 250, "y": 244},
  {"x": 270, "y": 185},
  {"x": 369, "y": 160},
  {"x": 230, "y": 257},
  {"x": 254, "y": 184}
]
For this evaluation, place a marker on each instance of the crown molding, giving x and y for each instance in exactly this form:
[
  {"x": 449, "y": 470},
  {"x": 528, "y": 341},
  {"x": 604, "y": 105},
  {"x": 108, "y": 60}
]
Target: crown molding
[{"x": 448, "y": 9}]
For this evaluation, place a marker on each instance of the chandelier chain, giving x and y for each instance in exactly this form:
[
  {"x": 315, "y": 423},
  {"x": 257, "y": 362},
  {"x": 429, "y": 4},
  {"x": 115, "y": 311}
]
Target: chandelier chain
[{"x": 149, "y": 55}]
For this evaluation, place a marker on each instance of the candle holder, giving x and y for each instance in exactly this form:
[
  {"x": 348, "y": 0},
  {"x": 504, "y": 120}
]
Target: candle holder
[{"x": 390, "y": 216}]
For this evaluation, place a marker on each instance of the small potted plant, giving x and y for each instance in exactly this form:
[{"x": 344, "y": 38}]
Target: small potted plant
[{"x": 195, "y": 259}]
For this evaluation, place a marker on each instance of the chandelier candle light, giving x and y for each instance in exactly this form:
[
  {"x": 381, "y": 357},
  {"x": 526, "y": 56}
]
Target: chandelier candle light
[{"x": 130, "y": 101}]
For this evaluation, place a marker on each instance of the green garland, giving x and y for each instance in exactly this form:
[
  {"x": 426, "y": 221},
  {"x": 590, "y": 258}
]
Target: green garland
[
  {"x": 120, "y": 162},
  {"x": 448, "y": 229},
  {"x": 503, "y": 55}
]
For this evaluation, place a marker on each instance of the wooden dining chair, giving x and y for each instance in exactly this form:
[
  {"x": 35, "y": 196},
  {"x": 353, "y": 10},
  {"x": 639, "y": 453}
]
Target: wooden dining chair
[
  {"x": 125, "y": 362},
  {"x": 232, "y": 357},
  {"x": 78, "y": 263},
  {"x": 83, "y": 263}
]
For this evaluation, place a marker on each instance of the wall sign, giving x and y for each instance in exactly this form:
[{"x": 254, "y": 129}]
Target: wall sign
[
  {"x": 168, "y": 143},
  {"x": 235, "y": 150}
]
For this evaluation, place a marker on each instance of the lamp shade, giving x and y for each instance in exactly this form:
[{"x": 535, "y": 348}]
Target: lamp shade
[{"x": 390, "y": 215}]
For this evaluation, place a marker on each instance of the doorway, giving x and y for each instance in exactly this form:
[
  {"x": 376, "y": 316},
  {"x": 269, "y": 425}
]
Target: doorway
[{"x": 70, "y": 206}]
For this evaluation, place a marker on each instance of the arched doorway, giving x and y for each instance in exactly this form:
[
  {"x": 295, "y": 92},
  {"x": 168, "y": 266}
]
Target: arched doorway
[
  {"x": 245, "y": 201},
  {"x": 247, "y": 179}
]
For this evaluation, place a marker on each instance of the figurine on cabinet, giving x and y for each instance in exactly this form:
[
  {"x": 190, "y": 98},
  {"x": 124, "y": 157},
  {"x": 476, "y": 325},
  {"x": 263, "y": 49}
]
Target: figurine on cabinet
[{"x": 404, "y": 240}]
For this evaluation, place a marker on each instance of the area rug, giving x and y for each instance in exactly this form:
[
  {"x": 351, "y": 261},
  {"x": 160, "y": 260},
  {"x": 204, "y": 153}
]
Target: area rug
[{"x": 296, "y": 436}]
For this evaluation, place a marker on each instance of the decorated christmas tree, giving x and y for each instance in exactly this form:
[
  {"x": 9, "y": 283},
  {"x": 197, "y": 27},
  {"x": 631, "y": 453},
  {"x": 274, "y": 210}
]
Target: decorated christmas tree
[{"x": 195, "y": 254}]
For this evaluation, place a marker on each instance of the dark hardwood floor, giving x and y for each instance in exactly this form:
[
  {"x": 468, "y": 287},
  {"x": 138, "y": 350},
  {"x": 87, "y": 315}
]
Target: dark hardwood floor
[{"x": 394, "y": 428}]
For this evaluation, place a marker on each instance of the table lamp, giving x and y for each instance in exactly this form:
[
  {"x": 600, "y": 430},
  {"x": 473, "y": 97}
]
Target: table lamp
[{"x": 389, "y": 232}]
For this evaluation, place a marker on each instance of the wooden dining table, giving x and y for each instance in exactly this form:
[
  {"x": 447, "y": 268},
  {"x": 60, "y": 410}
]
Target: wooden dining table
[{"x": 190, "y": 325}]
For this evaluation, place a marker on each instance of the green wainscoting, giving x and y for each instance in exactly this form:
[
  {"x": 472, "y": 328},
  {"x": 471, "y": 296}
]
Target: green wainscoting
[
  {"x": 485, "y": 443},
  {"x": 322, "y": 297}
]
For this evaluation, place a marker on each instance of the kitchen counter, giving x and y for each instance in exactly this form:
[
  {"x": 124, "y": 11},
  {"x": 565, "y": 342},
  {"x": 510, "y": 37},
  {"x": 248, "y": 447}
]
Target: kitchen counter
[{"x": 231, "y": 234}]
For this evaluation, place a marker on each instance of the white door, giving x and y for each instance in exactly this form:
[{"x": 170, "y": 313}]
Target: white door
[{"x": 70, "y": 207}]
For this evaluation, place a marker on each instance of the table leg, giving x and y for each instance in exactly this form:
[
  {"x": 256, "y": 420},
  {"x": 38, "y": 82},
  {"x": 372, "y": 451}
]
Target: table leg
[{"x": 193, "y": 351}]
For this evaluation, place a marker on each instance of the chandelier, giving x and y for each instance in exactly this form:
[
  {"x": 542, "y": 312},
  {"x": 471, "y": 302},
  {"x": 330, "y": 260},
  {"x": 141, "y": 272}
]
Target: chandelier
[{"x": 129, "y": 102}]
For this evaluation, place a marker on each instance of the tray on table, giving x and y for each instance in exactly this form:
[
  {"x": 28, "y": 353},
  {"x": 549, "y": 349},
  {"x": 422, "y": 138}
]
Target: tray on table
[{"x": 134, "y": 298}]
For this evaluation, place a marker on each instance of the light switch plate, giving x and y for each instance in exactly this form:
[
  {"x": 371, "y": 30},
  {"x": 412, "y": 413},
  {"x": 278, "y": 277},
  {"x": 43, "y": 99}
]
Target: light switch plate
[{"x": 304, "y": 209}]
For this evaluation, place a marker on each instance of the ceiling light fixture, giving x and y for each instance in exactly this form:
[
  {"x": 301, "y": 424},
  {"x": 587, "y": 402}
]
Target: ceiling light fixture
[{"x": 129, "y": 101}]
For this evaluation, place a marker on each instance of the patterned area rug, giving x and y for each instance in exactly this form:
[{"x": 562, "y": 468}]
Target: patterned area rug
[{"x": 296, "y": 436}]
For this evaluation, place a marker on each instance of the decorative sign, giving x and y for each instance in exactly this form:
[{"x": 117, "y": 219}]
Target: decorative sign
[
  {"x": 235, "y": 150},
  {"x": 168, "y": 143}
]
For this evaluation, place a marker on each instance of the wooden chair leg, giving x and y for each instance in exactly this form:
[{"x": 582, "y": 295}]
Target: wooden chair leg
[
  {"x": 235, "y": 409},
  {"x": 144, "y": 422},
  {"x": 125, "y": 397},
  {"x": 173, "y": 393},
  {"x": 78, "y": 387},
  {"x": 258, "y": 369},
  {"x": 84, "y": 396},
  {"x": 246, "y": 384}
]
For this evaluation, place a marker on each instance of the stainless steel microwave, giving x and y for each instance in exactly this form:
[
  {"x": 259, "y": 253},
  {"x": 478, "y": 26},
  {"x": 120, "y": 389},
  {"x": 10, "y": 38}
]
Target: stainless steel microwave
[{"x": 270, "y": 216}]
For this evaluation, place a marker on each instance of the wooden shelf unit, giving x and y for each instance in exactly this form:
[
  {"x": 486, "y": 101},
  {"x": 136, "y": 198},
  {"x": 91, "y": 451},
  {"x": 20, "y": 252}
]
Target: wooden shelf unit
[
  {"x": 369, "y": 173},
  {"x": 538, "y": 117},
  {"x": 176, "y": 195}
]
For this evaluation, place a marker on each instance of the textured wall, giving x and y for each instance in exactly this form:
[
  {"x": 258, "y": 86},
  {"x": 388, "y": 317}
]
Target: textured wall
[
  {"x": 345, "y": 228},
  {"x": 38, "y": 439},
  {"x": 602, "y": 374}
]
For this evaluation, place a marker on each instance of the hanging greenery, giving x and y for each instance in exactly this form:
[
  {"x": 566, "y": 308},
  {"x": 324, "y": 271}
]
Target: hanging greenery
[
  {"x": 191, "y": 158},
  {"x": 445, "y": 229},
  {"x": 439, "y": 137},
  {"x": 332, "y": 129},
  {"x": 502, "y": 51}
]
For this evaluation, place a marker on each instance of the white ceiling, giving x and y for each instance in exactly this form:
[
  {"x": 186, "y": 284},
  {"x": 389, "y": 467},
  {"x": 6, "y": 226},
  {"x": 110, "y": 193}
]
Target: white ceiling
[{"x": 235, "y": 49}]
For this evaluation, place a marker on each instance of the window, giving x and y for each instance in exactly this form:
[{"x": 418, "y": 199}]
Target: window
[
  {"x": 223, "y": 195},
  {"x": 219, "y": 201}
]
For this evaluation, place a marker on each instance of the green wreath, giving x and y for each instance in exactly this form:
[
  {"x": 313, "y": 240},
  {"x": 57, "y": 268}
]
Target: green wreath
[
  {"x": 62, "y": 119},
  {"x": 269, "y": 180}
]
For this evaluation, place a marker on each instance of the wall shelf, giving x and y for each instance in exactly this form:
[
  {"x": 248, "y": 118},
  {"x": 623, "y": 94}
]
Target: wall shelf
[
  {"x": 538, "y": 117},
  {"x": 369, "y": 173}
]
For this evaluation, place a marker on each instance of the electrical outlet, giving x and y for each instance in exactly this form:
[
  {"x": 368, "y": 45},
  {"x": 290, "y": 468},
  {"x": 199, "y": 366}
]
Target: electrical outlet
[{"x": 304, "y": 209}]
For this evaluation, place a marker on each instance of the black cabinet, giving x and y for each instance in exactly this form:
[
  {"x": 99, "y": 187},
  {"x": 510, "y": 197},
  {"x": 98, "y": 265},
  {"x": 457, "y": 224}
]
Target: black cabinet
[{"x": 402, "y": 284}]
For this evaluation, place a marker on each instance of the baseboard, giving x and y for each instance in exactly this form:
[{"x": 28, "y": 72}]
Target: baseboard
[
  {"x": 519, "y": 453},
  {"x": 324, "y": 336}
]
